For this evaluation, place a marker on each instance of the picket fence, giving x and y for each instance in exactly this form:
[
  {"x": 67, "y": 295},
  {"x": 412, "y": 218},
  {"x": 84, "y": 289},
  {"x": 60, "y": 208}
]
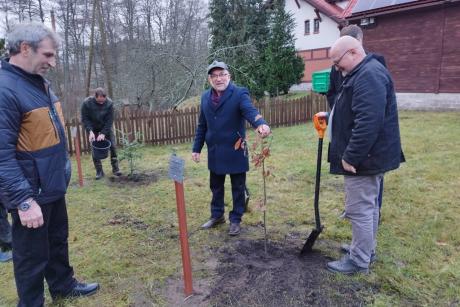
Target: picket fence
[{"x": 178, "y": 126}]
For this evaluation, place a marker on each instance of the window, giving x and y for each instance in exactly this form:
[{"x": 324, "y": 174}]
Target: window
[
  {"x": 316, "y": 26},
  {"x": 307, "y": 27}
]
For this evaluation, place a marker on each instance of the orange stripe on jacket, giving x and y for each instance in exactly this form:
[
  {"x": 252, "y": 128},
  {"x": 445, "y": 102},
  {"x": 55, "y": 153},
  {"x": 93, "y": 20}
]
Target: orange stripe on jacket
[{"x": 37, "y": 131}]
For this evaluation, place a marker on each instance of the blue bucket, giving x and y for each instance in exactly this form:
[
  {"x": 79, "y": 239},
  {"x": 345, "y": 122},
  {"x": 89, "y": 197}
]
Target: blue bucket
[{"x": 101, "y": 149}]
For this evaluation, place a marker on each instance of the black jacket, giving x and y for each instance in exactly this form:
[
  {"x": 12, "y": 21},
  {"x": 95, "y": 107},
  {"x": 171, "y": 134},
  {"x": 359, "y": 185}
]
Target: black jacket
[
  {"x": 97, "y": 117},
  {"x": 365, "y": 126},
  {"x": 33, "y": 150},
  {"x": 336, "y": 80}
]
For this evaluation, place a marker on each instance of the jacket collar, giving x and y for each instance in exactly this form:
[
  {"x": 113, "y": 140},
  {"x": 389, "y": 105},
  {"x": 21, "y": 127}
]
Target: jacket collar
[
  {"x": 227, "y": 94},
  {"x": 33, "y": 78}
]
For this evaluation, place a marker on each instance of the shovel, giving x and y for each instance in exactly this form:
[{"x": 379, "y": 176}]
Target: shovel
[{"x": 320, "y": 122}]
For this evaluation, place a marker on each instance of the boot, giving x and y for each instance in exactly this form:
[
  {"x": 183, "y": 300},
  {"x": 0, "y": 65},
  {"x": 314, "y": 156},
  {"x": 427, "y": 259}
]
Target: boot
[
  {"x": 115, "y": 169},
  {"x": 99, "y": 170}
]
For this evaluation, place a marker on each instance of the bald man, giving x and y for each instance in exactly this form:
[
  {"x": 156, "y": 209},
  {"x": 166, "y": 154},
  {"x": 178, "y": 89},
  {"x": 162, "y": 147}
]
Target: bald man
[{"x": 364, "y": 145}]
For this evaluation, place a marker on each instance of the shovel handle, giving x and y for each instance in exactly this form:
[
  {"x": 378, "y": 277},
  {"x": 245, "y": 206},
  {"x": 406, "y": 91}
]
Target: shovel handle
[{"x": 320, "y": 122}]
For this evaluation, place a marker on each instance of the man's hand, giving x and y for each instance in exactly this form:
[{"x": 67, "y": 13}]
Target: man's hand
[
  {"x": 33, "y": 217},
  {"x": 263, "y": 130},
  {"x": 101, "y": 137},
  {"x": 348, "y": 167},
  {"x": 92, "y": 137},
  {"x": 196, "y": 156}
]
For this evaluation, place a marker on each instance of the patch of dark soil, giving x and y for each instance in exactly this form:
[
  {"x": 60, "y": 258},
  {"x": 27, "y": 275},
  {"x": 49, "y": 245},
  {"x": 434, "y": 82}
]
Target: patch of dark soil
[
  {"x": 128, "y": 221},
  {"x": 143, "y": 178},
  {"x": 246, "y": 276}
]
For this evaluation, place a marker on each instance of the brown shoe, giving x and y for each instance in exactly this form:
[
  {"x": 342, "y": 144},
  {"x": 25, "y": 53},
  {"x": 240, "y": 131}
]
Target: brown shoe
[{"x": 213, "y": 222}]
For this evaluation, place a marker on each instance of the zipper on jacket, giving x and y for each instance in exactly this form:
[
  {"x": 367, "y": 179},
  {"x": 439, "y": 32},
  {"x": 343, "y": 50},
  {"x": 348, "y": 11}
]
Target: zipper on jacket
[{"x": 50, "y": 112}]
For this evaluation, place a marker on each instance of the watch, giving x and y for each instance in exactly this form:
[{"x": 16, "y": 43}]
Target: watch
[{"x": 24, "y": 206}]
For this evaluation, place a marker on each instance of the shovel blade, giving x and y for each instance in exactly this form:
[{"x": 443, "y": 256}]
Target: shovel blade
[{"x": 308, "y": 246}]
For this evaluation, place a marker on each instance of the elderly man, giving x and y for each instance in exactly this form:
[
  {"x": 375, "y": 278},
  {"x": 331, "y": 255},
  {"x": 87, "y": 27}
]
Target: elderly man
[
  {"x": 224, "y": 109},
  {"x": 365, "y": 144},
  {"x": 97, "y": 117},
  {"x": 35, "y": 169}
]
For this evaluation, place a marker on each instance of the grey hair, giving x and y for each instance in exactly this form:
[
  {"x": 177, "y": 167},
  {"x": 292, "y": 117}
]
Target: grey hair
[
  {"x": 353, "y": 31},
  {"x": 32, "y": 34}
]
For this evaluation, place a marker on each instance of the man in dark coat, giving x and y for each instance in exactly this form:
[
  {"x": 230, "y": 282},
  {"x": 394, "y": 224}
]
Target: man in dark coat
[
  {"x": 35, "y": 168},
  {"x": 365, "y": 144},
  {"x": 223, "y": 112},
  {"x": 97, "y": 117}
]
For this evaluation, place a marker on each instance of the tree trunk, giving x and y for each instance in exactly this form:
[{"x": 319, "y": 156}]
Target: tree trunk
[
  {"x": 105, "y": 58},
  {"x": 91, "y": 50}
]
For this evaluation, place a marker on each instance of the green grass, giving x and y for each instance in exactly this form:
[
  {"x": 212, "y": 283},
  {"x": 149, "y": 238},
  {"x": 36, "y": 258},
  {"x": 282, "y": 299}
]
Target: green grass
[{"x": 419, "y": 239}]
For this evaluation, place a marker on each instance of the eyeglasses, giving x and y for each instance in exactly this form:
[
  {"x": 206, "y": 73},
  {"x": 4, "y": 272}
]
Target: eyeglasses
[
  {"x": 221, "y": 75},
  {"x": 336, "y": 63}
]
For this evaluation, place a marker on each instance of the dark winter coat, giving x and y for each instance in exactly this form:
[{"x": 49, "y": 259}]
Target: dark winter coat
[
  {"x": 33, "y": 155},
  {"x": 221, "y": 128},
  {"x": 365, "y": 127},
  {"x": 97, "y": 117},
  {"x": 336, "y": 80}
]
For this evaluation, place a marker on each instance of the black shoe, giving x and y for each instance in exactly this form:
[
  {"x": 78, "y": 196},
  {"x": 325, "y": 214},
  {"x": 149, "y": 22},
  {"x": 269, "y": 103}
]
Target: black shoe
[
  {"x": 345, "y": 248},
  {"x": 234, "y": 229},
  {"x": 213, "y": 222},
  {"x": 99, "y": 175},
  {"x": 117, "y": 173},
  {"x": 81, "y": 289},
  {"x": 346, "y": 266}
]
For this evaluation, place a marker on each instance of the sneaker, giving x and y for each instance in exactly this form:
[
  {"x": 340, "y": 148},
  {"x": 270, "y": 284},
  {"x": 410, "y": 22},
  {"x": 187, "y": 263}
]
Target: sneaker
[
  {"x": 345, "y": 248},
  {"x": 234, "y": 229},
  {"x": 346, "y": 266}
]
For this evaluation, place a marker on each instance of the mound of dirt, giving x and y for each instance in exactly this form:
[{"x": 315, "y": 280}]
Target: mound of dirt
[
  {"x": 144, "y": 178},
  {"x": 246, "y": 276}
]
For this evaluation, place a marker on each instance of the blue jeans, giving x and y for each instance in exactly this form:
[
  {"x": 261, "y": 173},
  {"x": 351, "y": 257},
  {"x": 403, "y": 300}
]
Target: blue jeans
[{"x": 216, "y": 183}]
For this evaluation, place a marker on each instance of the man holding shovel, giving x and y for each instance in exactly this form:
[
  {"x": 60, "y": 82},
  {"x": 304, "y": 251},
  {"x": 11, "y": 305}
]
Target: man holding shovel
[{"x": 365, "y": 144}]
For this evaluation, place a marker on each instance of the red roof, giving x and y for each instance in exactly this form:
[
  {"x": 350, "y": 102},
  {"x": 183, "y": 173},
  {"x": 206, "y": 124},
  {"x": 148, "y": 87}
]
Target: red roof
[{"x": 332, "y": 11}]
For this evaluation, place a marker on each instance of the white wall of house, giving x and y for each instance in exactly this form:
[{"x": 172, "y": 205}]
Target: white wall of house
[{"x": 328, "y": 31}]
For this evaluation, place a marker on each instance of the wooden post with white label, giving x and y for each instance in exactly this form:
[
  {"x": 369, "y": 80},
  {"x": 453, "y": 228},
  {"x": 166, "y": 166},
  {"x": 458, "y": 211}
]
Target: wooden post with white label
[{"x": 176, "y": 173}]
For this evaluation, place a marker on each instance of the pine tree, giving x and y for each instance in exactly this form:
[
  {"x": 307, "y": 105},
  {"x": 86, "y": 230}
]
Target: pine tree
[
  {"x": 283, "y": 67},
  {"x": 239, "y": 34}
]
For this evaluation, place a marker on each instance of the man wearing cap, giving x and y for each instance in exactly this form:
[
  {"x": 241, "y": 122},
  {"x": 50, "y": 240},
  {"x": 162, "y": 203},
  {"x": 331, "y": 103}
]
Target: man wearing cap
[
  {"x": 223, "y": 112},
  {"x": 97, "y": 117}
]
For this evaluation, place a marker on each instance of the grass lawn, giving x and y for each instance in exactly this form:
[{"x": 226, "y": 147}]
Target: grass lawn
[{"x": 126, "y": 237}]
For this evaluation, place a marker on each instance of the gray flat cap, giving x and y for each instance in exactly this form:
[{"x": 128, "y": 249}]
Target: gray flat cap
[{"x": 217, "y": 64}]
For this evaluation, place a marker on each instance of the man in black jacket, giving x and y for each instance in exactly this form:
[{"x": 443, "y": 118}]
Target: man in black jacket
[
  {"x": 35, "y": 169},
  {"x": 97, "y": 117},
  {"x": 365, "y": 144}
]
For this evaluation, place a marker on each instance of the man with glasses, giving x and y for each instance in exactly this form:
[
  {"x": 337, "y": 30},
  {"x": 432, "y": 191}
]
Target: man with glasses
[
  {"x": 364, "y": 145},
  {"x": 97, "y": 117},
  {"x": 224, "y": 110}
]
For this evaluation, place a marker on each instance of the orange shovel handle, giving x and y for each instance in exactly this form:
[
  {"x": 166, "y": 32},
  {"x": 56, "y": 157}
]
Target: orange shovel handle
[{"x": 320, "y": 122}]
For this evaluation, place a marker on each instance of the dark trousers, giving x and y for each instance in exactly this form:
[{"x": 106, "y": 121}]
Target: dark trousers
[
  {"x": 42, "y": 253},
  {"x": 217, "y": 183},
  {"x": 5, "y": 230},
  {"x": 113, "y": 154}
]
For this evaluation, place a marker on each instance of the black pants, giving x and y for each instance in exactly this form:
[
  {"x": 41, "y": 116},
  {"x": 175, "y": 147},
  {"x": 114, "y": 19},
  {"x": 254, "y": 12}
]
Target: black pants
[
  {"x": 5, "y": 230},
  {"x": 42, "y": 253},
  {"x": 217, "y": 183},
  {"x": 113, "y": 154}
]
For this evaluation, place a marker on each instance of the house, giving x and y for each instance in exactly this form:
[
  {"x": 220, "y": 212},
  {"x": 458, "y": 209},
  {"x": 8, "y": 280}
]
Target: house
[
  {"x": 318, "y": 24},
  {"x": 420, "y": 41}
]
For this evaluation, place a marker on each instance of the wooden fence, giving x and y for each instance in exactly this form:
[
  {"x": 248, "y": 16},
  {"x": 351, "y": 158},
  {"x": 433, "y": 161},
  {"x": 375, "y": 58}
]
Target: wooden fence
[{"x": 178, "y": 126}]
